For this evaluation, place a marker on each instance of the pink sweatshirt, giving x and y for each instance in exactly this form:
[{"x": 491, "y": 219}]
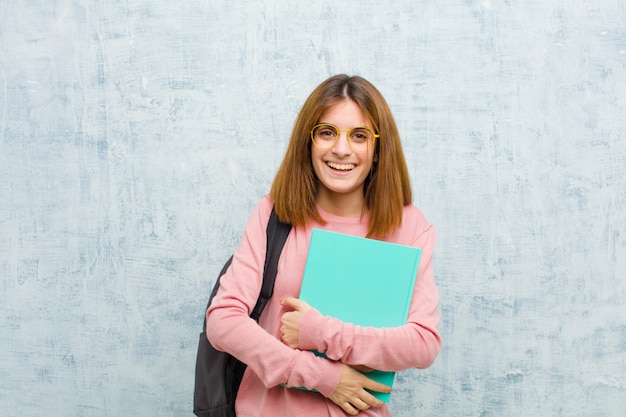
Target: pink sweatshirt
[{"x": 271, "y": 363}]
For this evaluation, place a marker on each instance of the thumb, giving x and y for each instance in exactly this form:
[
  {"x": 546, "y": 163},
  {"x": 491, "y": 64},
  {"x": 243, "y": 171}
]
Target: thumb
[{"x": 294, "y": 303}]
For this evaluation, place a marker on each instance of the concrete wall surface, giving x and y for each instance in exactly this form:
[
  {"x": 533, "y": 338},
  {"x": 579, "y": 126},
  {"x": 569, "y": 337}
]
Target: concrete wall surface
[{"x": 136, "y": 137}]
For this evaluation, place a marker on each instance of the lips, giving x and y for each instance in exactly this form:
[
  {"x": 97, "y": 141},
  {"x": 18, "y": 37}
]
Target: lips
[{"x": 341, "y": 167}]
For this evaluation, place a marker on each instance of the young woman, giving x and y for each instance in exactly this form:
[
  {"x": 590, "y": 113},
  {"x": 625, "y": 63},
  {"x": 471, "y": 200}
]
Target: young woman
[{"x": 344, "y": 171}]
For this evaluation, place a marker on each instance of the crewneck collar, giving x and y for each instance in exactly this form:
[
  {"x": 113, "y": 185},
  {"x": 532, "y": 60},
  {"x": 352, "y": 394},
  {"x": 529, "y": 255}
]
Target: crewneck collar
[{"x": 333, "y": 218}]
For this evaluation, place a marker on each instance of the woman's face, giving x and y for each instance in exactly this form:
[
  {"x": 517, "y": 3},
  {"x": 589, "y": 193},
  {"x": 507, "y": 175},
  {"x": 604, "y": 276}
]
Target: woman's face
[{"x": 340, "y": 170}]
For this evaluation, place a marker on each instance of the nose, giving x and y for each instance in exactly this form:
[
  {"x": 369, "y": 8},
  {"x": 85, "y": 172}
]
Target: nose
[{"x": 342, "y": 146}]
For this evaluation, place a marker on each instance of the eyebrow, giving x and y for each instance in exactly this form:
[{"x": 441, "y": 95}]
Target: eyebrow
[{"x": 329, "y": 123}]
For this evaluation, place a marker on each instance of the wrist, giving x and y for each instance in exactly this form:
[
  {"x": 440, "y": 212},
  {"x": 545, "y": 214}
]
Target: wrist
[{"x": 309, "y": 331}]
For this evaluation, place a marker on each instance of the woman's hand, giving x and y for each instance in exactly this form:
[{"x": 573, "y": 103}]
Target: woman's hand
[
  {"x": 351, "y": 395},
  {"x": 290, "y": 321}
]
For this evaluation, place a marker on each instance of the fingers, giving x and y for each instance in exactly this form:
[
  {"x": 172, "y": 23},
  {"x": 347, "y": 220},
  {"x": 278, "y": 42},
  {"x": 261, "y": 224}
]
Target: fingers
[
  {"x": 290, "y": 325},
  {"x": 359, "y": 404},
  {"x": 364, "y": 399},
  {"x": 376, "y": 386},
  {"x": 350, "y": 409},
  {"x": 289, "y": 333},
  {"x": 371, "y": 385},
  {"x": 352, "y": 392},
  {"x": 367, "y": 399},
  {"x": 354, "y": 406}
]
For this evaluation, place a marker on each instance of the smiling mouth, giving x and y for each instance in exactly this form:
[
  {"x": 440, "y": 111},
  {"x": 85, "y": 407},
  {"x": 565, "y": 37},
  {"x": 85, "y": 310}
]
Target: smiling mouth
[{"x": 341, "y": 167}]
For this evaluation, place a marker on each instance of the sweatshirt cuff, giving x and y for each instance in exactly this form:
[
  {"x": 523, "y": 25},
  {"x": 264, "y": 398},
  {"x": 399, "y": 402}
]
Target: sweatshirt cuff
[
  {"x": 315, "y": 373},
  {"x": 330, "y": 380},
  {"x": 310, "y": 330}
]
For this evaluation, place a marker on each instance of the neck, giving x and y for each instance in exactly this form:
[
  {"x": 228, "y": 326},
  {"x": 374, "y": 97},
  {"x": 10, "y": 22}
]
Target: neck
[{"x": 350, "y": 205}]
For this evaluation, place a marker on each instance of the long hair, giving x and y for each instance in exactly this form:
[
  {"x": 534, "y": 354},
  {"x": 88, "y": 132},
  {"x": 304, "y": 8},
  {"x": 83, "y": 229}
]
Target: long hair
[{"x": 387, "y": 189}]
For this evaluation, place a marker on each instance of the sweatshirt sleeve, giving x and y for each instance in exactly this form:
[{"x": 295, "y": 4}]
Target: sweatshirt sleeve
[
  {"x": 414, "y": 345},
  {"x": 230, "y": 328}
]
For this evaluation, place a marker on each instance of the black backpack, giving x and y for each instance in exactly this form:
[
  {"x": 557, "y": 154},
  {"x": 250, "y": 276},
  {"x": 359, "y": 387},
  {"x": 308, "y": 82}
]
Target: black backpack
[{"x": 218, "y": 374}]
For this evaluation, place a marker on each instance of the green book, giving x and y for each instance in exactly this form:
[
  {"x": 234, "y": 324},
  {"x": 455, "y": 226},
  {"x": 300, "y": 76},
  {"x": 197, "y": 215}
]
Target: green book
[{"x": 361, "y": 281}]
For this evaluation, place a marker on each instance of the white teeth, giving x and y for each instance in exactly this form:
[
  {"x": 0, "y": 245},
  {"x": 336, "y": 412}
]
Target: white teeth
[{"x": 341, "y": 167}]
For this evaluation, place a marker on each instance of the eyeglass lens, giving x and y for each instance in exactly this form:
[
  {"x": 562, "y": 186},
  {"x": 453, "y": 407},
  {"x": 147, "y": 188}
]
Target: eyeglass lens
[{"x": 325, "y": 136}]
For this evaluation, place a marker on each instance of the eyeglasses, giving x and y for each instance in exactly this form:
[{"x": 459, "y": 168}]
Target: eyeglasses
[{"x": 325, "y": 136}]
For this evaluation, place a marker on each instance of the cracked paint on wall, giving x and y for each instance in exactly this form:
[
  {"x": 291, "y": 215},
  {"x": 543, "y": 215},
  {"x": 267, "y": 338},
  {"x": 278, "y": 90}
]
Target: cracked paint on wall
[{"x": 136, "y": 137}]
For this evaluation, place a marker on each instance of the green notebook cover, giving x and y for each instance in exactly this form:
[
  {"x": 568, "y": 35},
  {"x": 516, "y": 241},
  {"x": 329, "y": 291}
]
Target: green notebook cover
[{"x": 361, "y": 281}]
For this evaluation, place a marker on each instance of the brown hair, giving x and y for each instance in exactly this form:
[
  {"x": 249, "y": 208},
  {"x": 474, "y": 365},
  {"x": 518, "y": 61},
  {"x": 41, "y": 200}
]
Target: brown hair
[{"x": 387, "y": 189}]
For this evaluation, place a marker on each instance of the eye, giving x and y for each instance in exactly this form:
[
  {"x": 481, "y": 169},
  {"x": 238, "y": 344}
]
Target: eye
[
  {"x": 325, "y": 132},
  {"x": 360, "y": 135}
]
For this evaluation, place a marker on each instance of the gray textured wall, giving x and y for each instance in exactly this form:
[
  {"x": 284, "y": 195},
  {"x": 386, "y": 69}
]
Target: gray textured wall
[{"x": 136, "y": 136}]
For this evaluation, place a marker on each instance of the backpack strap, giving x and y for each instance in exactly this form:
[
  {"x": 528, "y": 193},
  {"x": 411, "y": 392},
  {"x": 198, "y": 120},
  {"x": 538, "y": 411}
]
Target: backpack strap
[{"x": 277, "y": 233}]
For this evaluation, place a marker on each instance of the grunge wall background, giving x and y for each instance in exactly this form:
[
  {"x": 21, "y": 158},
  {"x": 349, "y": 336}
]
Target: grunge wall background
[{"x": 136, "y": 137}]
